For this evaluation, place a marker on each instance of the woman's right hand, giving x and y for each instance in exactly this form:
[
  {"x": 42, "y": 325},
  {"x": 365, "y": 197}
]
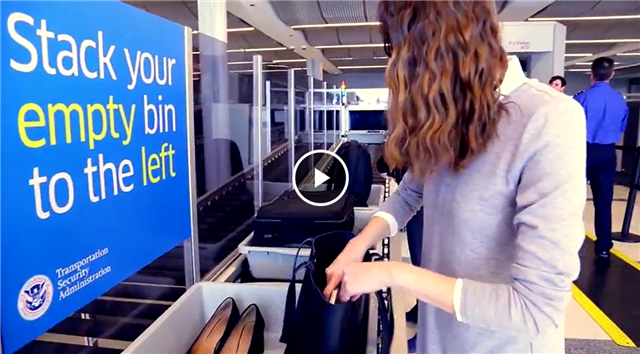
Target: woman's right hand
[{"x": 352, "y": 253}]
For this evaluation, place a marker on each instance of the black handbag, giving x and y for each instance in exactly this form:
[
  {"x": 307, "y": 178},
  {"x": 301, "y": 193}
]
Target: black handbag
[{"x": 315, "y": 326}]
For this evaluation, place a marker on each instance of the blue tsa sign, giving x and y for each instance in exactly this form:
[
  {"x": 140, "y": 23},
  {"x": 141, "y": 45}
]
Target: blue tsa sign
[{"x": 95, "y": 154}]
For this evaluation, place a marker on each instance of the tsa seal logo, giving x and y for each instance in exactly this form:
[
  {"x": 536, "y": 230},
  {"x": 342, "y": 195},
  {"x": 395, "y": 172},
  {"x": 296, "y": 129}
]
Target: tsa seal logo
[{"x": 35, "y": 297}]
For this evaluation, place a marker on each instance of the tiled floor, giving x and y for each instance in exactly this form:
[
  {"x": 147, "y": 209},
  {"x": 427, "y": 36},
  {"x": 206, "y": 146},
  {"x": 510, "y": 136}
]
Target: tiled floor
[{"x": 584, "y": 335}]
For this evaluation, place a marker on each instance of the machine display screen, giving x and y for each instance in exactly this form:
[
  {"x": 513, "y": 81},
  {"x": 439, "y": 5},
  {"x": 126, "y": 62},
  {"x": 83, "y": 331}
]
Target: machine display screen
[{"x": 367, "y": 120}]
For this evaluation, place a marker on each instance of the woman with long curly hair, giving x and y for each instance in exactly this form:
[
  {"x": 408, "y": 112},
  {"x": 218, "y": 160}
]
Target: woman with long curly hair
[{"x": 497, "y": 161}]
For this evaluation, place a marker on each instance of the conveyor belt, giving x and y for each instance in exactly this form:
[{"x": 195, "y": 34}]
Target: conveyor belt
[
  {"x": 376, "y": 151},
  {"x": 126, "y": 310}
]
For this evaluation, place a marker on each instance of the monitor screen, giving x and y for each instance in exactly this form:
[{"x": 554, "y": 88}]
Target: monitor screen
[{"x": 367, "y": 120}]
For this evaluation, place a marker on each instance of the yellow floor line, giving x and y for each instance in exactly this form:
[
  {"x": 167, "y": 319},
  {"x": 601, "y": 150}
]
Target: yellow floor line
[
  {"x": 618, "y": 253},
  {"x": 609, "y": 327}
]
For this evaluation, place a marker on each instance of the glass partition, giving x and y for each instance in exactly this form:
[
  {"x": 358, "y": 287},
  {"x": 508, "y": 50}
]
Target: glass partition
[{"x": 227, "y": 160}]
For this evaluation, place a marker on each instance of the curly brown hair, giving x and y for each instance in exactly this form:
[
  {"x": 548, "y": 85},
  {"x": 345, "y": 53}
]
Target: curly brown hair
[{"x": 445, "y": 69}]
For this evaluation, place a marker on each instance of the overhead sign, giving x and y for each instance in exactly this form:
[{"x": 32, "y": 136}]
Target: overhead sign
[
  {"x": 519, "y": 37},
  {"x": 95, "y": 154}
]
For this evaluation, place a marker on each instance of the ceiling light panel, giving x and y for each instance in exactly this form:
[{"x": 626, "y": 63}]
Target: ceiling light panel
[
  {"x": 343, "y": 11},
  {"x": 587, "y": 18},
  {"x": 297, "y": 12},
  {"x": 235, "y": 22},
  {"x": 242, "y": 29},
  {"x": 361, "y": 67},
  {"x": 315, "y": 38},
  {"x": 356, "y": 35},
  {"x": 603, "y": 41},
  {"x": 335, "y": 25},
  {"x": 255, "y": 39},
  {"x": 350, "y": 46}
]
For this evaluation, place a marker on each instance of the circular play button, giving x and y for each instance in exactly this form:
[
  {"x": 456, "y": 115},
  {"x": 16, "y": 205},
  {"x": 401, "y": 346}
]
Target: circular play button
[{"x": 320, "y": 185}]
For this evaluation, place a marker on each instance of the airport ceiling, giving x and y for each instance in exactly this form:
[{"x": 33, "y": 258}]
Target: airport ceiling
[{"x": 345, "y": 32}]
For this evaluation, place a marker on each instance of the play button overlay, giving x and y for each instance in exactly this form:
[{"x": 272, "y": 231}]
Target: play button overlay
[
  {"x": 319, "y": 178},
  {"x": 311, "y": 184}
]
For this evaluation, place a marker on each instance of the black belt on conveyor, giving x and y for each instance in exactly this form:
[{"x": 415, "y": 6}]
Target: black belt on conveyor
[{"x": 614, "y": 287}]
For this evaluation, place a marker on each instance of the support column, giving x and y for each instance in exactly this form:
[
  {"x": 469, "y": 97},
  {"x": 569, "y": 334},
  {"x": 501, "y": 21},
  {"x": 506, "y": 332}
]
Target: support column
[
  {"x": 545, "y": 65},
  {"x": 214, "y": 81},
  {"x": 314, "y": 69}
]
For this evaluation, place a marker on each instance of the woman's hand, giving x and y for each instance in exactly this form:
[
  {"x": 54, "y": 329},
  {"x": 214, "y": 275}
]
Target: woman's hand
[
  {"x": 364, "y": 278},
  {"x": 352, "y": 253}
]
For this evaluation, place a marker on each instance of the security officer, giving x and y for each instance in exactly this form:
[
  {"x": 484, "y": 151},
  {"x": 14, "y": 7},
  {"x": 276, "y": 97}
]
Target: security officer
[{"x": 606, "y": 111}]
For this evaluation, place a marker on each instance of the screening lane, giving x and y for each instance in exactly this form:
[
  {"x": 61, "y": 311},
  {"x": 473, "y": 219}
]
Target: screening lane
[
  {"x": 100, "y": 164},
  {"x": 332, "y": 176}
]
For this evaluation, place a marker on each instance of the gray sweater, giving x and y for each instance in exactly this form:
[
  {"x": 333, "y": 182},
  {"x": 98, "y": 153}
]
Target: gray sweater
[{"x": 510, "y": 226}]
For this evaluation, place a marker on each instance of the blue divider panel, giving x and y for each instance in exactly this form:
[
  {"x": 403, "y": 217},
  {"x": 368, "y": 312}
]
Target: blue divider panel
[{"x": 95, "y": 156}]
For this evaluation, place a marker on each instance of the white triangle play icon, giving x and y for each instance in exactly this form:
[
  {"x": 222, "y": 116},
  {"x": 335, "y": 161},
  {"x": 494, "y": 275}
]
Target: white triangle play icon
[{"x": 319, "y": 178}]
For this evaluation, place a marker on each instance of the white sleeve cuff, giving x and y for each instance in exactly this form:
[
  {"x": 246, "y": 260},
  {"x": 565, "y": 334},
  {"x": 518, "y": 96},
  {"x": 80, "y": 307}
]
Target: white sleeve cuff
[
  {"x": 457, "y": 299},
  {"x": 393, "y": 224}
]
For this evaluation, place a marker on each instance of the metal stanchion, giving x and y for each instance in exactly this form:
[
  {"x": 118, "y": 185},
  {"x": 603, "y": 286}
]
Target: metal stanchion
[
  {"x": 335, "y": 117},
  {"x": 291, "y": 104},
  {"x": 626, "y": 235},
  {"x": 311, "y": 114},
  {"x": 267, "y": 117},
  {"x": 258, "y": 97},
  {"x": 324, "y": 113}
]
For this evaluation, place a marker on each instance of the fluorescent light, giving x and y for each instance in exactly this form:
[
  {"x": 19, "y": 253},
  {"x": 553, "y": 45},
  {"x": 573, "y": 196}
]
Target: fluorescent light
[
  {"x": 633, "y": 65},
  {"x": 380, "y": 58},
  {"x": 264, "y": 71},
  {"x": 594, "y": 41},
  {"x": 579, "y": 55},
  {"x": 289, "y": 61},
  {"x": 337, "y": 25},
  {"x": 629, "y": 54},
  {"x": 244, "y": 29},
  {"x": 264, "y": 49},
  {"x": 195, "y": 53},
  {"x": 339, "y": 46},
  {"x": 340, "y": 59},
  {"x": 586, "y": 18},
  {"x": 362, "y": 67},
  {"x": 589, "y": 63},
  {"x": 251, "y": 50},
  {"x": 239, "y": 62},
  {"x": 580, "y": 70}
]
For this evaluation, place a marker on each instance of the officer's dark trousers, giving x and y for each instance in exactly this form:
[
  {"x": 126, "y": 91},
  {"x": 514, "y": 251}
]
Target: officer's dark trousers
[{"x": 601, "y": 172}]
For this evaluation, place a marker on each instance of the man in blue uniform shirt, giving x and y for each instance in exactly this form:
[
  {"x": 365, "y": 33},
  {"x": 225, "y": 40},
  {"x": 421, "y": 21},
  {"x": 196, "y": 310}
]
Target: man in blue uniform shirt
[{"x": 606, "y": 111}]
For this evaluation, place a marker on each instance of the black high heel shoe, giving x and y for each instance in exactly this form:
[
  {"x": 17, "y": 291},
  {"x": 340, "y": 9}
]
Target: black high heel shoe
[
  {"x": 217, "y": 329},
  {"x": 247, "y": 336}
]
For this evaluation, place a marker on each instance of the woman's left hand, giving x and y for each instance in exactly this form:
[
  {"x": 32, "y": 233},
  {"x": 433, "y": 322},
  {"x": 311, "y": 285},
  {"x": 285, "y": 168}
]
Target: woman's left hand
[{"x": 364, "y": 278}]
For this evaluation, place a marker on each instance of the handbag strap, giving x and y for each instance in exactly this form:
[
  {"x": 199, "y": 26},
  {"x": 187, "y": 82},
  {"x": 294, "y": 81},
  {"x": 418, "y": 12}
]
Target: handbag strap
[
  {"x": 387, "y": 322},
  {"x": 290, "y": 304}
]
